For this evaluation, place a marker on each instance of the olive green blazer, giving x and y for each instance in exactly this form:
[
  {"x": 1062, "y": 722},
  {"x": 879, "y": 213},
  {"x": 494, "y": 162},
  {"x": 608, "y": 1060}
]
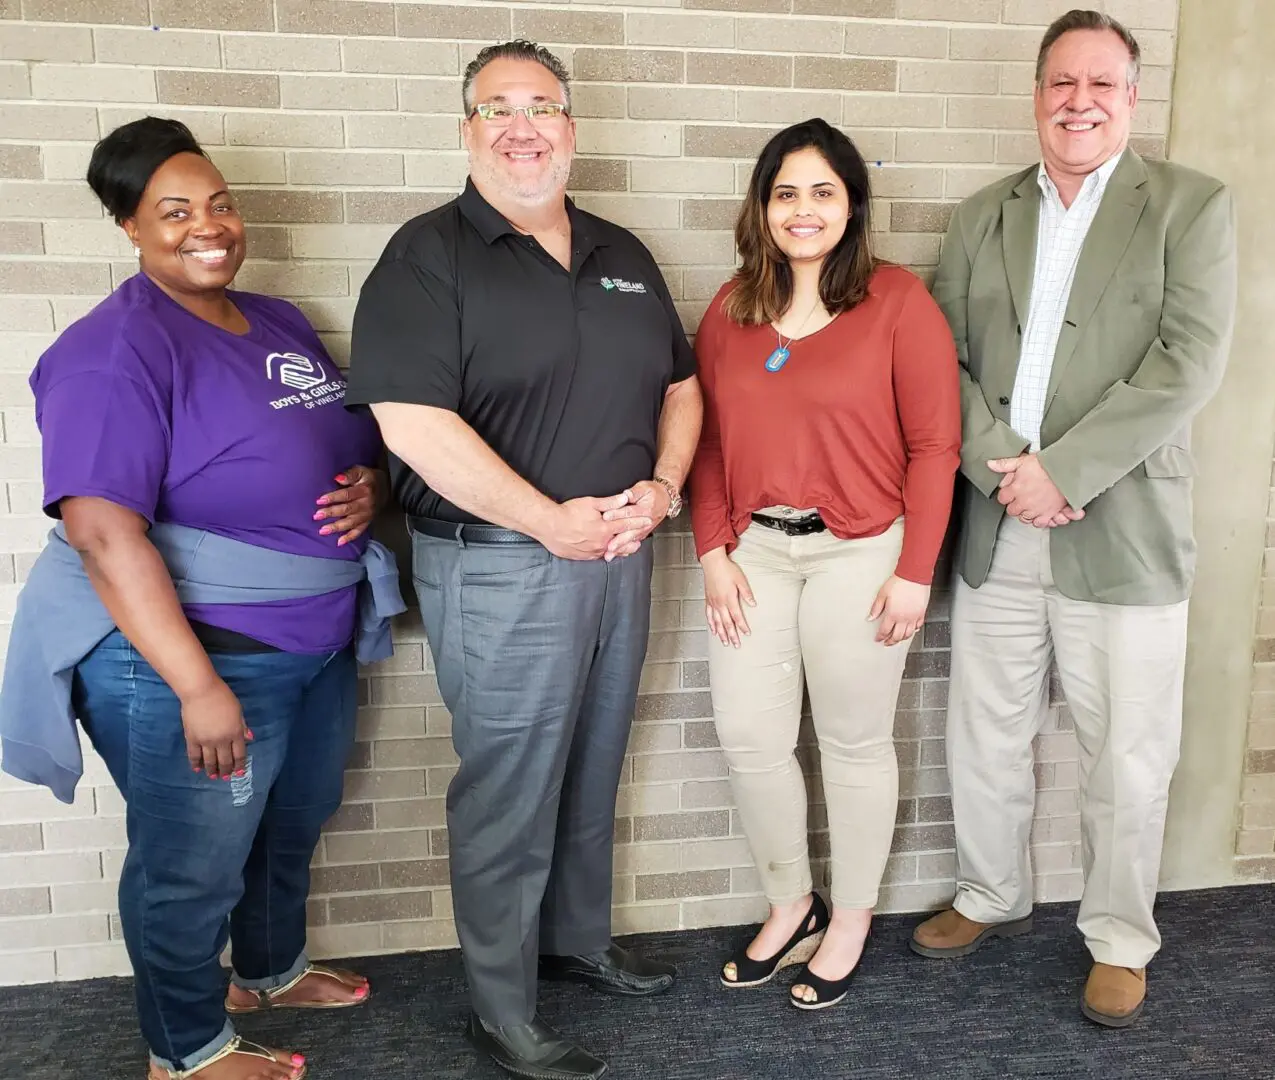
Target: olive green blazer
[{"x": 1143, "y": 347}]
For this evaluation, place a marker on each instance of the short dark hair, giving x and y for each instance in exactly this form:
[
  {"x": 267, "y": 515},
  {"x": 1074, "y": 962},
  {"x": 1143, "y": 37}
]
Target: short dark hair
[
  {"x": 518, "y": 49},
  {"x": 124, "y": 161},
  {"x": 1082, "y": 19},
  {"x": 763, "y": 283}
]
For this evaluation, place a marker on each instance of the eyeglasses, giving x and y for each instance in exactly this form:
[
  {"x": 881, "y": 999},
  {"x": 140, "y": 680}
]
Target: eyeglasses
[{"x": 501, "y": 115}]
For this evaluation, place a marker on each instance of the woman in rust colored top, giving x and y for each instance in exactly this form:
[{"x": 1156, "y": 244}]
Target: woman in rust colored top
[{"x": 820, "y": 496}]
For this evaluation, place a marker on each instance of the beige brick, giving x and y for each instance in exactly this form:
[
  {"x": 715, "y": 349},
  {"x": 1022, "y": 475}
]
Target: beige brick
[
  {"x": 766, "y": 106},
  {"x": 723, "y": 912},
  {"x": 680, "y": 103},
  {"x": 850, "y": 9},
  {"x": 710, "y": 214},
  {"x": 162, "y": 47},
  {"x": 323, "y": 168},
  {"x": 482, "y": 23},
  {"x": 401, "y": 58},
  {"x": 19, "y": 162},
  {"x": 439, "y": 96},
  {"x": 48, "y": 122},
  {"x": 280, "y": 53},
  {"x": 25, "y": 314},
  {"x": 338, "y": 92},
  {"x": 628, "y": 65},
  {"x": 32, "y": 900},
  {"x": 942, "y": 146},
  {"x": 739, "y": 69},
  {"x": 405, "y": 132},
  {"x": 983, "y": 113},
  {"x": 891, "y": 110},
  {"x": 689, "y": 884},
  {"x": 54, "y": 278},
  {"x": 1017, "y": 149},
  {"x": 788, "y": 35},
  {"x": 887, "y": 39},
  {"x": 395, "y": 207},
  {"x": 265, "y": 204},
  {"x": 263, "y": 129},
  {"x": 773, "y": 6},
  {"x": 988, "y": 43},
  {"x": 335, "y": 17},
  {"x": 914, "y": 217},
  {"x": 948, "y": 77},
  {"x": 708, "y": 177},
  {"x": 120, "y": 12},
  {"x": 1249, "y": 842},
  {"x": 633, "y": 212},
  {"x": 951, "y": 10},
  {"x": 569, "y": 27},
  {"x": 294, "y": 278},
  {"x": 964, "y": 181},
  {"x": 214, "y": 14},
  {"x": 358, "y": 242},
  {"x": 726, "y": 142},
  {"x": 333, "y": 941},
  {"x": 592, "y": 99},
  {"x": 210, "y": 88},
  {"x": 643, "y": 800},
  {"x": 25, "y": 968},
  {"x": 48, "y": 931},
  {"x": 827, "y": 73},
  {"x": 241, "y": 166},
  {"x": 638, "y": 140},
  {"x": 680, "y": 31},
  {"x": 441, "y": 170},
  {"x": 205, "y": 125},
  {"x": 66, "y": 44}
]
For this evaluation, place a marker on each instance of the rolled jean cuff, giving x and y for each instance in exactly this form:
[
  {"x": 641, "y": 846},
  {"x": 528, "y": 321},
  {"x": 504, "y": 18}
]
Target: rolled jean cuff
[
  {"x": 191, "y": 1061},
  {"x": 272, "y": 982}
]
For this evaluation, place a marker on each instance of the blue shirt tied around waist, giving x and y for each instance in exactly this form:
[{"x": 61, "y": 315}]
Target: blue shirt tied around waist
[{"x": 59, "y": 620}]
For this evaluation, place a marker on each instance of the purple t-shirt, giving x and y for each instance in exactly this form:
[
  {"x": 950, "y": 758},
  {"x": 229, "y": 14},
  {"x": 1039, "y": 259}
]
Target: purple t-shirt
[{"x": 142, "y": 403}]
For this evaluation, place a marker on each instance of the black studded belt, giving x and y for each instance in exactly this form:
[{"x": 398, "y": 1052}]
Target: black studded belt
[{"x": 799, "y": 526}]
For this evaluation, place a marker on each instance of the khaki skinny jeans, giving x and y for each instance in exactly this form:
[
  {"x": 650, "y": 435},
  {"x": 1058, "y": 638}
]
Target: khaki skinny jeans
[{"x": 813, "y": 596}]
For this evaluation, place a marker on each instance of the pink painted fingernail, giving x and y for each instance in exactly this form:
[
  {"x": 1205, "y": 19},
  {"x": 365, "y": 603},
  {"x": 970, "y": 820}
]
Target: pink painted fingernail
[
  {"x": 325, "y": 530},
  {"x": 240, "y": 772},
  {"x": 342, "y": 478},
  {"x": 318, "y": 516},
  {"x": 321, "y": 501}
]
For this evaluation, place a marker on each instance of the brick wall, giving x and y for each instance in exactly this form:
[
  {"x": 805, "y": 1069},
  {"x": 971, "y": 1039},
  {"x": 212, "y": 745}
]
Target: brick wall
[
  {"x": 337, "y": 120},
  {"x": 1255, "y": 843}
]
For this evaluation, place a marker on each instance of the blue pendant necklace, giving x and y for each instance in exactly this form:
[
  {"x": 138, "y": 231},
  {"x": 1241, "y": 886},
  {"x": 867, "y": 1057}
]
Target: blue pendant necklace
[{"x": 777, "y": 359}]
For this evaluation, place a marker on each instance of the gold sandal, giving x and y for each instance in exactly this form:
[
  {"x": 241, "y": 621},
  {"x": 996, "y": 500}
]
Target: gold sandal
[
  {"x": 268, "y": 999},
  {"x": 237, "y": 1045}
]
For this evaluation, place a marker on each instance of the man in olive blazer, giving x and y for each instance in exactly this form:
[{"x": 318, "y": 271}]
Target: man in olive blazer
[{"x": 1092, "y": 300}]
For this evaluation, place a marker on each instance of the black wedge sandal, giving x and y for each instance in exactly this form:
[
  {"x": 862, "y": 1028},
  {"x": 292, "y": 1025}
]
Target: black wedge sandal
[
  {"x": 828, "y": 992},
  {"x": 799, "y": 948}
]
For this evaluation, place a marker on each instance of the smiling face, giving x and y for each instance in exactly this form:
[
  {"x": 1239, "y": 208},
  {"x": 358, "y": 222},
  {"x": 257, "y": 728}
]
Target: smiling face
[
  {"x": 190, "y": 234},
  {"x": 809, "y": 207},
  {"x": 1084, "y": 104},
  {"x": 519, "y": 161}
]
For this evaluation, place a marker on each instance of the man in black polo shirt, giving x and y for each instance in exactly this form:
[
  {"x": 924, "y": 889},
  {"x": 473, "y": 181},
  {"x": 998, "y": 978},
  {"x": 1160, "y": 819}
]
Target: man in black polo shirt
[{"x": 538, "y": 396}]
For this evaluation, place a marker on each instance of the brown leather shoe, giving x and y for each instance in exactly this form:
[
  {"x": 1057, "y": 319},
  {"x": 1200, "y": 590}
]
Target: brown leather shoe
[
  {"x": 1114, "y": 995},
  {"x": 950, "y": 934}
]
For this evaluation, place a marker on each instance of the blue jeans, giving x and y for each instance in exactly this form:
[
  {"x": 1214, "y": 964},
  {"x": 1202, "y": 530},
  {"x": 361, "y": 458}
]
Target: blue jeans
[{"x": 215, "y": 859}]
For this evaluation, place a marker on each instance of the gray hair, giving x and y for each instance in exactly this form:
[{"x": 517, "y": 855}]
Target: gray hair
[
  {"x": 1081, "y": 19},
  {"x": 518, "y": 49}
]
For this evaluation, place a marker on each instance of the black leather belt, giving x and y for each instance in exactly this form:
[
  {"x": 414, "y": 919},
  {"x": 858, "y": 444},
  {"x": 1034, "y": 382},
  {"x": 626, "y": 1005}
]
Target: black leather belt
[
  {"x": 802, "y": 526},
  {"x": 469, "y": 534}
]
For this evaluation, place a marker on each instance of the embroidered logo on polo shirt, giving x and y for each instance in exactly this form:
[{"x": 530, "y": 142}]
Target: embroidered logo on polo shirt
[
  {"x": 294, "y": 370},
  {"x": 620, "y": 285}
]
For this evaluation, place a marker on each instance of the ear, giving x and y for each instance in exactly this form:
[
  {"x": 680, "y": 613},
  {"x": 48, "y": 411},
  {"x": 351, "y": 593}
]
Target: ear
[
  {"x": 1133, "y": 97},
  {"x": 129, "y": 225},
  {"x": 467, "y": 133}
]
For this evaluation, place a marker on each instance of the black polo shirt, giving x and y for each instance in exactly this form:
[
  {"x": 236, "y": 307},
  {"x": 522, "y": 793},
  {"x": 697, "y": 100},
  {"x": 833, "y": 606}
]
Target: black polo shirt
[{"x": 561, "y": 373}]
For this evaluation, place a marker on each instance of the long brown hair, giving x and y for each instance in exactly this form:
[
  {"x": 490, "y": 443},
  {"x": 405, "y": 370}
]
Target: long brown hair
[{"x": 763, "y": 283}]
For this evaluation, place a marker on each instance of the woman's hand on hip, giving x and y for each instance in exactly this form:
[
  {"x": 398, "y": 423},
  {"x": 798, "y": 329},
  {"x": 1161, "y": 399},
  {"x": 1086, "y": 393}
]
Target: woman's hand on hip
[
  {"x": 726, "y": 592},
  {"x": 900, "y": 605},
  {"x": 216, "y": 733},
  {"x": 349, "y": 509}
]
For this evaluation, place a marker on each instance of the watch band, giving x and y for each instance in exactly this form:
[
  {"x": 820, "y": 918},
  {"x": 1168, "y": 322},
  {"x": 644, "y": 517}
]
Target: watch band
[{"x": 674, "y": 496}]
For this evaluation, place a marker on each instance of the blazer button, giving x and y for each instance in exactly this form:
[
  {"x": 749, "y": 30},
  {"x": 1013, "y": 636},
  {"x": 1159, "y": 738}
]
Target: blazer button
[{"x": 1004, "y": 401}]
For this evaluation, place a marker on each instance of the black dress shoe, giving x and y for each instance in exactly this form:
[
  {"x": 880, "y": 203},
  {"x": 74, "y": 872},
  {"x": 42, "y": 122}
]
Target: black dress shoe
[
  {"x": 534, "y": 1051},
  {"x": 613, "y": 971}
]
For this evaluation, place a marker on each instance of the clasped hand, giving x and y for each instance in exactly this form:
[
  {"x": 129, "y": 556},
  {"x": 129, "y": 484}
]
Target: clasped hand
[
  {"x": 608, "y": 528},
  {"x": 1027, "y": 493}
]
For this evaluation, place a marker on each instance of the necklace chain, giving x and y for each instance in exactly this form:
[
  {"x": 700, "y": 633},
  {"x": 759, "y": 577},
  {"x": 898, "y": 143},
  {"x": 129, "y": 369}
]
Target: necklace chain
[{"x": 801, "y": 326}]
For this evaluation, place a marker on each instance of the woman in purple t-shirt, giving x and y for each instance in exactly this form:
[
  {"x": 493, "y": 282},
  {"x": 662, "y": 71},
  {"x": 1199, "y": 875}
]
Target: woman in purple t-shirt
[{"x": 226, "y": 727}]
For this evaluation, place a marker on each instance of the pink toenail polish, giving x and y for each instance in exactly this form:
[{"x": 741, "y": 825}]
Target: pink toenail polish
[
  {"x": 298, "y": 1059},
  {"x": 361, "y": 992}
]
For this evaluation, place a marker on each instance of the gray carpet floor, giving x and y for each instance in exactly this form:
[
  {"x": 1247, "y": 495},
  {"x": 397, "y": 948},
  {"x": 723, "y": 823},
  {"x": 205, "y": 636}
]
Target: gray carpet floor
[{"x": 1011, "y": 1010}]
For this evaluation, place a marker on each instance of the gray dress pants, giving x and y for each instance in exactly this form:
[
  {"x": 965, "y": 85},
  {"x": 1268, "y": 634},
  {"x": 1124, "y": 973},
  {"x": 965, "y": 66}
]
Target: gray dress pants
[{"x": 538, "y": 660}]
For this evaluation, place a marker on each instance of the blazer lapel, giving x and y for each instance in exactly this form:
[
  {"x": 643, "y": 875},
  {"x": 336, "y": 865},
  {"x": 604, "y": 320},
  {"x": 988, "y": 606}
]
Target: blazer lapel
[
  {"x": 1108, "y": 237},
  {"x": 1020, "y": 214}
]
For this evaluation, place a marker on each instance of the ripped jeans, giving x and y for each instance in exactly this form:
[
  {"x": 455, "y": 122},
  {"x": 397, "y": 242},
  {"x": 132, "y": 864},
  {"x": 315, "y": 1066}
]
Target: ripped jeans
[{"x": 211, "y": 860}]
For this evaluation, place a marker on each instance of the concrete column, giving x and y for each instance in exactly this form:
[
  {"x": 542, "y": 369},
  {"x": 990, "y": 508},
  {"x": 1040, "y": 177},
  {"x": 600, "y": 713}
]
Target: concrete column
[{"x": 1222, "y": 124}]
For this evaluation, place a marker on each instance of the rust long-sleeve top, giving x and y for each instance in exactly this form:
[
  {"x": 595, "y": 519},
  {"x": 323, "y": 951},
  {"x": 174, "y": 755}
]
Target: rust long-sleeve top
[{"x": 863, "y": 423}]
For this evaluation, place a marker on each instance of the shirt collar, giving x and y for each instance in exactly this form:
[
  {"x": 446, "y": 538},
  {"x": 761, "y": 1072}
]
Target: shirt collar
[
  {"x": 1095, "y": 183},
  {"x": 492, "y": 224}
]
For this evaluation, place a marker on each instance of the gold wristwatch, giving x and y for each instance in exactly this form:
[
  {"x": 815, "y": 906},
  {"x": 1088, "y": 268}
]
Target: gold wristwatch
[{"x": 674, "y": 496}]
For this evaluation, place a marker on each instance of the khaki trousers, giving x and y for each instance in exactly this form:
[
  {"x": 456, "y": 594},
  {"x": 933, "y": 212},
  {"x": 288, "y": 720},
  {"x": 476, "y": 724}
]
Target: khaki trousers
[
  {"x": 1122, "y": 671},
  {"x": 813, "y": 596}
]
